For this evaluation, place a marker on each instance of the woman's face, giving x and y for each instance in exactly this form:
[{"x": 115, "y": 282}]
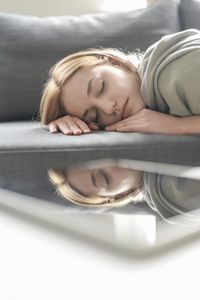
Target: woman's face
[
  {"x": 104, "y": 181},
  {"x": 104, "y": 94}
]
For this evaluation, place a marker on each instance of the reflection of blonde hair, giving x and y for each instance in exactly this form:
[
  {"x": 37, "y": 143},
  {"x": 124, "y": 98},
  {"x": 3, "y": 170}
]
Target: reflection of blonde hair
[
  {"x": 67, "y": 191},
  {"x": 50, "y": 108}
]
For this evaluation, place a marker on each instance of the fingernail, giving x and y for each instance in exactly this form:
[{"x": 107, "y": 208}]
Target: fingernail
[
  {"x": 68, "y": 132},
  {"x": 78, "y": 132},
  {"x": 52, "y": 129}
]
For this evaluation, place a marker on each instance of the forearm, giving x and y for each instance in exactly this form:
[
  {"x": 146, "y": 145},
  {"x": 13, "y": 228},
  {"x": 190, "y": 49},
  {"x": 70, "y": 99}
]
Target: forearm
[
  {"x": 190, "y": 124},
  {"x": 150, "y": 121}
]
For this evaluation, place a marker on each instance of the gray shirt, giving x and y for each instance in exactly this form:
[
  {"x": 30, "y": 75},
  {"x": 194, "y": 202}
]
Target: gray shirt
[{"x": 170, "y": 74}]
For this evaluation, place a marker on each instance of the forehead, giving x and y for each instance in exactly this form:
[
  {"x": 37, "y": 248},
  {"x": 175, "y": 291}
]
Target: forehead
[
  {"x": 81, "y": 77},
  {"x": 76, "y": 82},
  {"x": 74, "y": 92}
]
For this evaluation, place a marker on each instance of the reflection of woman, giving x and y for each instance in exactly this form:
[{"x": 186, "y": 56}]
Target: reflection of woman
[
  {"x": 107, "y": 185},
  {"x": 112, "y": 185},
  {"x": 105, "y": 88}
]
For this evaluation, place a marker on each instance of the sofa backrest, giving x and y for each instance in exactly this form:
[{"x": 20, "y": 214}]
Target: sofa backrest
[
  {"x": 30, "y": 45},
  {"x": 190, "y": 14}
]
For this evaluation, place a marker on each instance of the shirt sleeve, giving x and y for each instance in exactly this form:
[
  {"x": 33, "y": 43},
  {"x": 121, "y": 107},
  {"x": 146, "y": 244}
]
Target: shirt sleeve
[
  {"x": 170, "y": 74},
  {"x": 179, "y": 84}
]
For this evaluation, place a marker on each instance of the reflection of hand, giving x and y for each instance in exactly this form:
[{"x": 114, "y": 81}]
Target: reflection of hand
[
  {"x": 149, "y": 121},
  {"x": 71, "y": 125}
]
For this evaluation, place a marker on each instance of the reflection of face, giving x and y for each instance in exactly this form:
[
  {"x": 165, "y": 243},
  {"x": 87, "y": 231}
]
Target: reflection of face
[
  {"x": 100, "y": 94},
  {"x": 104, "y": 181}
]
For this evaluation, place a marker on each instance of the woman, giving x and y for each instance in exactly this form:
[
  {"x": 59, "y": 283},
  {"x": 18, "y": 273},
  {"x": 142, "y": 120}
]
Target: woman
[
  {"x": 105, "y": 88},
  {"x": 103, "y": 184}
]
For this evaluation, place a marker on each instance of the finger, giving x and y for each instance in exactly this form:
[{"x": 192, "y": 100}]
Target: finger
[
  {"x": 111, "y": 127},
  {"x": 64, "y": 128},
  {"x": 52, "y": 128},
  {"x": 131, "y": 121},
  {"x": 136, "y": 127},
  {"x": 82, "y": 125},
  {"x": 125, "y": 129},
  {"x": 125, "y": 122},
  {"x": 114, "y": 126},
  {"x": 93, "y": 126},
  {"x": 76, "y": 130}
]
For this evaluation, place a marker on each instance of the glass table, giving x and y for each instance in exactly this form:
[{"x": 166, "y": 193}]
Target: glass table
[{"x": 137, "y": 206}]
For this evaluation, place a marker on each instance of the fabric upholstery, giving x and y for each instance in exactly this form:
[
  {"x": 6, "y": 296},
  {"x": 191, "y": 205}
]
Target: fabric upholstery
[
  {"x": 189, "y": 14},
  {"x": 30, "y": 45},
  {"x": 28, "y": 136}
]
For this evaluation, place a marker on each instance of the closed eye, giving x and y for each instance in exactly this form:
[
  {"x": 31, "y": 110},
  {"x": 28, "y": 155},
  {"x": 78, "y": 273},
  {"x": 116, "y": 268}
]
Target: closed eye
[
  {"x": 102, "y": 88},
  {"x": 97, "y": 116}
]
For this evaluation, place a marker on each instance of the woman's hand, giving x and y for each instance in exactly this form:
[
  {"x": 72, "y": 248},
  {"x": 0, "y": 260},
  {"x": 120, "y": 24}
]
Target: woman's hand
[
  {"x": 149, "y": 121},
  {"x": 71, "y": 125}
]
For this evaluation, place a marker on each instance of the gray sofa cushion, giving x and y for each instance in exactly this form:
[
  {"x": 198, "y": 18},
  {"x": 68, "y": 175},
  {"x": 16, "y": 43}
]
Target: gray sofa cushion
[
  {"x": 19, "y": 138},
  {"x": 190, "y": 14},
  {"x": 30, "y": 45}
]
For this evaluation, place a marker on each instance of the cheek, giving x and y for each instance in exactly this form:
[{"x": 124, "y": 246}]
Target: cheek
[
  {"x": 123, "y": 179},
  {"x": 108, "y": 120}
]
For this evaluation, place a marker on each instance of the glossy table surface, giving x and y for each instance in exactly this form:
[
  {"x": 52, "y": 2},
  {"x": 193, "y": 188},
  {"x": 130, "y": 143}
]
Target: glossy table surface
[
  {"x": 40, "y": 261},
  {"x": 52, "y": 250}
]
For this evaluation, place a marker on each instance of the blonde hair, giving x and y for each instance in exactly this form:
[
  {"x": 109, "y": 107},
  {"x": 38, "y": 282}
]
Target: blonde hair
[
  {"x": 66, "y": 191},
  {"x": 50, "y": 108}
]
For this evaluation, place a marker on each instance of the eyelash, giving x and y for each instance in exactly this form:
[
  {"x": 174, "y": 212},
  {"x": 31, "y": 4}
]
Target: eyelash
[
  {"x": 97, "y": 112},
  {"x": 102, "y": 88},
  {"x": 97, "y": 117}
]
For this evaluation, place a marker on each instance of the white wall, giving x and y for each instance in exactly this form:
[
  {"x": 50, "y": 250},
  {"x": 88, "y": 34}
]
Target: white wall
[
  {"x": 63, "y": 7},
  {"x": 49, "y": 7}
]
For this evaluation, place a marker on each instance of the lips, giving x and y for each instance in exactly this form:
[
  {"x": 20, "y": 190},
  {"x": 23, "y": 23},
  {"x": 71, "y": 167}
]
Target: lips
[{"x": 124, "y": 110}]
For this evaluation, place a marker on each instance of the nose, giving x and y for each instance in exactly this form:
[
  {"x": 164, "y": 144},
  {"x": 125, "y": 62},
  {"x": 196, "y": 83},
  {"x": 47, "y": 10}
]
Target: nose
[{"x": 108, "y": 106}]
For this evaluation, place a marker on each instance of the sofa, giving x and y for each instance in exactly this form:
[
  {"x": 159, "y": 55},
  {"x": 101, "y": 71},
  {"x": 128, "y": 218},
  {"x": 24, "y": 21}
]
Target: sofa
[{"x": 30, "y": 45}]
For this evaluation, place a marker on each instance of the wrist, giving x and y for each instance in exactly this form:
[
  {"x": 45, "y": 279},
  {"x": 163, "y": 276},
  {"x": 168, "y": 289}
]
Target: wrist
[
  {"x": 181, "y": 125},
  {"x": 189, "y": 124}
]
